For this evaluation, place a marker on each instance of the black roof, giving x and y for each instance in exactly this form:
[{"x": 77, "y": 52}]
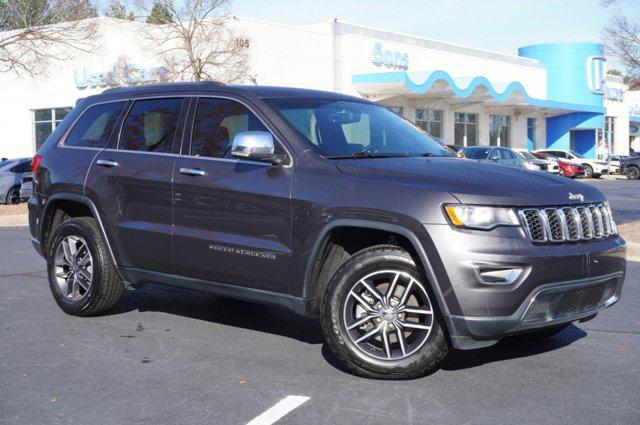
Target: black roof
[{"x": 259, "y": 91}]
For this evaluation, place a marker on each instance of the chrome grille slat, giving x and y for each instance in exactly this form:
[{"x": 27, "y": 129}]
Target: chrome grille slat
[{"x": 568, "y": 223}]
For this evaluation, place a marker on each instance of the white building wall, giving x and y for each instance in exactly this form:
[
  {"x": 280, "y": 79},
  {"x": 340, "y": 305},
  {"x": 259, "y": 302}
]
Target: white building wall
[{"x": 618, "y": 107}]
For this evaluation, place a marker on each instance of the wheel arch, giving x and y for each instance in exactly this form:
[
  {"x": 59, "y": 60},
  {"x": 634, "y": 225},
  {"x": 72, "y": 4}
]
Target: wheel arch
[
  {"x": 78, "y": 206},
  {"x": 315, "y": 259}
]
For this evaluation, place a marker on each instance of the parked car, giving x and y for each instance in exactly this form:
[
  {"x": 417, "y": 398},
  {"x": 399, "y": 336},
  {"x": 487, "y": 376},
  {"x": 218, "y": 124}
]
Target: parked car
[
  {"x": 326, "y": 204},
  {"x": 455, "y": 148},
  {"x": 534, "y": 163},
  {"x": 571, "y": 169},
  {"x": 498, "y": 155},
  {"x": 11, "y": 172},
  {"x": 593, "y": 168},
  {"x": 615, "y": 164},
  {"x": 630, "y": 166},
  {"x": 26, "y": 187}
]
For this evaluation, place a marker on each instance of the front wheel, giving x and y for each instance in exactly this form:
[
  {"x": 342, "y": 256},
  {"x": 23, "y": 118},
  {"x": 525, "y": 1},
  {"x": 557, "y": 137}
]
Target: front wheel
[
  {"x": 13, "y": 196},
  {"x": 588, "y": 171},
  {"x": 379, "y": 316}
]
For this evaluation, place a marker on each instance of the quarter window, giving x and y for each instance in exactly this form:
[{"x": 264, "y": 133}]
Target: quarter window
[
  {"x": 23, "y": 167},
  {"x": 45, "y": 121},
  {"x": 466, "y": 129},
  {"x": 94, "y": 127},
  {"x": 216, "y": 123},
  {"x": 499, "y": 130},
  {"x": 430, "y": 120},
  {"x": 151, "y": 125}
]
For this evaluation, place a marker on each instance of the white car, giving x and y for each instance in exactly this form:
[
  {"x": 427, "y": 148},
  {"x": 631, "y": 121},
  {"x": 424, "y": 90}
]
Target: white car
[
  {"x": 549, "y": 164},
  {"x": 593, "y": 168}
]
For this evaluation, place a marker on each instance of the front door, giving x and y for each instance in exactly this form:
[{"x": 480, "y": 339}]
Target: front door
[
  {"x": 232, "y": 218},
  {"x": 130, "y": 184}
]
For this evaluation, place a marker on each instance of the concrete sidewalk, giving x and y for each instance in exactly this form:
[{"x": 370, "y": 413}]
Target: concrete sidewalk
[{"x": 14, "y": 220}]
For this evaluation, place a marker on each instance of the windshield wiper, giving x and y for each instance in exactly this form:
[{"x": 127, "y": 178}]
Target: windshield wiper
[{"x": 362, "y": 154}]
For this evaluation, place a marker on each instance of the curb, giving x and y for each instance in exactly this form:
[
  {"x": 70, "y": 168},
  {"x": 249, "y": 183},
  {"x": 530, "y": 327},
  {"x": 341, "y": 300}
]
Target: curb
[{"x": 14, "y": 220}]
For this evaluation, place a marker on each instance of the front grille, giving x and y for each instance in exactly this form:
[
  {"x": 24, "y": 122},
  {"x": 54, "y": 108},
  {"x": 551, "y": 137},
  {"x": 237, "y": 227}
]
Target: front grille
[
  {"x": 568, "y": 224},
  {"x": 555, "y": 304}
]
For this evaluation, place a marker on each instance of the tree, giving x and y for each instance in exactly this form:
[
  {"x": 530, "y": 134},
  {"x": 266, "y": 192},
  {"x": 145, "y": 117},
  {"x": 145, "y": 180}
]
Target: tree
[
  {"x": 159, "y": 15},
  {"x": 197, "y": 41},
  {"x": 622, "y": 40},
  {"x": 118, "y": 10},
  {"x": 38, "y": 32}
]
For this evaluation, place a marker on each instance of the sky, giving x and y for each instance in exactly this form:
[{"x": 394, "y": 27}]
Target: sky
[{"x": 497, "y": 25}]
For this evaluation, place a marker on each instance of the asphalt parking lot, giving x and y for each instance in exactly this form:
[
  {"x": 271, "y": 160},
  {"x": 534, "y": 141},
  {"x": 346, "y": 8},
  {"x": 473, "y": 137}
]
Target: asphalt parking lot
[{"x": 173, "y": 356}]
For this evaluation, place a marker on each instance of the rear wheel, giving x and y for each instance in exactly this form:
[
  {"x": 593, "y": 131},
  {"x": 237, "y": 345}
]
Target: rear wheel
[
  {"x": 379, "y": 317},
  {"x": 13, "y": 196},
  {"x": 81, "y": 276},
  {"x": 633, "y": 173}
]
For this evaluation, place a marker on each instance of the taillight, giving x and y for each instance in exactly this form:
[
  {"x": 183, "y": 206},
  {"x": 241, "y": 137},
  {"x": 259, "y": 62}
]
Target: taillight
[{"x": 35, "y": 163}]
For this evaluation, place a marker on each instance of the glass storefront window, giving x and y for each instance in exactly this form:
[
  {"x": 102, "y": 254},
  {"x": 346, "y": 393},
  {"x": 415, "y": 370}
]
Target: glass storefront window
[
  {"x": 431, "y": 121},
  {"x": 45, "y": 121},
  {"x": 465, "y": 129},
  {"x": 609, "y": 133},
  {"x": 500, "y": 130},
  {"x": 398, "y": 110}
]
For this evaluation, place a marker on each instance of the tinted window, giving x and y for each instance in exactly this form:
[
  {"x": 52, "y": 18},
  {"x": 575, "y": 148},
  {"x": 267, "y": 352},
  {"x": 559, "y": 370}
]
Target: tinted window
[
  {"x": 23, "y": 167},
  {"x": 339, "y": 128},
  {"x": 216, "y": 123},
  {"x": 507, "y": 154},
  {"x": 495, "y": 154},
  {"x": 94, "y": 126},
  {"x": 151, "y": 125},
  {"x": 476, "y": 153}
]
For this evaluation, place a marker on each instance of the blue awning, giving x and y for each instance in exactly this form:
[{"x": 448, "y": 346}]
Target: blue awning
[{"x": 388, "y": 84}]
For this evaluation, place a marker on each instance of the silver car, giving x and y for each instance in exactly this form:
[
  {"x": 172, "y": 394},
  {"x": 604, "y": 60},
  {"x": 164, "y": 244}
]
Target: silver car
[{"x": 11, "y": 172}]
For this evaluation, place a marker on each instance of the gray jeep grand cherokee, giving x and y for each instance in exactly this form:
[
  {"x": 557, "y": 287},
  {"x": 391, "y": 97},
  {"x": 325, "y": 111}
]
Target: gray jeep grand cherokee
[{"x": 326, "y": 204}]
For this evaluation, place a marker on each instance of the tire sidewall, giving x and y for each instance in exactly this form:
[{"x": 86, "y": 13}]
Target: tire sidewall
[
  {"x": 633, "y": 173},
  {"x": 333, "y": 307},
  {"x": 588, "y": 171},
  {"x": 9, "y": 193},
  {"x": 74, "y": 228}
]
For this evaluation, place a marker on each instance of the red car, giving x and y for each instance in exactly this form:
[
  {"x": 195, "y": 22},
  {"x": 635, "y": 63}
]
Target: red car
[{"x": 570, "y": 169}]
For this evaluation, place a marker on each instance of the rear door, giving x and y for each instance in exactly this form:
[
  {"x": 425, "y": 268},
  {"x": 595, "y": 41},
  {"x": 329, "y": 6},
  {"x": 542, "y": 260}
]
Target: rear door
[
  {"x": 232, "y": 218},
  {"x": 130, "y": 182}
]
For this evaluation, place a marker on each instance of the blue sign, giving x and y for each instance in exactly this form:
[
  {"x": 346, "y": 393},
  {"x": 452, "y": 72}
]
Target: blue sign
[
  {"x": 132, "y": 75},
  {"x": 389, "y": 58},
  {"x": 633, "y": 129}
]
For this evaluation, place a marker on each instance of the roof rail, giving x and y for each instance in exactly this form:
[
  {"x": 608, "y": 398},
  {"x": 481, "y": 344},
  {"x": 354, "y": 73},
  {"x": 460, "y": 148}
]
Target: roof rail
[{"x": 153, "y": 86}]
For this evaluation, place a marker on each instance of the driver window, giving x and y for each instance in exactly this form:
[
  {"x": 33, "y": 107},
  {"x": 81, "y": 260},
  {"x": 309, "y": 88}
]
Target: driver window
[
  {"x": 216, "y": 123},
  {"x": 494, "y": 155},
  {"x": 151, "y": 125}
]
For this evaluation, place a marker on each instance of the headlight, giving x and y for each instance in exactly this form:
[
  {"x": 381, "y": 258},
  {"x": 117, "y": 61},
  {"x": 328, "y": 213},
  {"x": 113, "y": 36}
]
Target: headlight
[{"x": 480, "y": 217}]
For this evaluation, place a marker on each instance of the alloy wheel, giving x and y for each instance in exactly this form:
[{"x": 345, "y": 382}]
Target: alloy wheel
[
  {"x": 73, "y": 268},
  {"x": 14, "y": 197},
  {"x": 388, "y": 315}
]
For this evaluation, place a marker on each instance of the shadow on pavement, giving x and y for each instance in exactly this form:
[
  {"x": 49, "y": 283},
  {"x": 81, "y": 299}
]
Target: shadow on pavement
[{"x": 211, "y": 308}]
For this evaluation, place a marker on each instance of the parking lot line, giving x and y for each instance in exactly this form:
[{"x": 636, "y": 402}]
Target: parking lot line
[{"x": 279, "y": 410}]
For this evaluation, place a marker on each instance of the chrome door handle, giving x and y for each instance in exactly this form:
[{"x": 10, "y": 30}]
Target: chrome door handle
[
  {"x": 107, "y": 163},
  {"x": 192, "y": 172}
]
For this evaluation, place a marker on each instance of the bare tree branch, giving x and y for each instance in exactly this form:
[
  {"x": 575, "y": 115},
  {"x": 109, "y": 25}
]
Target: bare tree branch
[
  {"x": 37, "y": 33},
  {"x": 198, "y": 42},
  {"x": 622, "y": 40}
]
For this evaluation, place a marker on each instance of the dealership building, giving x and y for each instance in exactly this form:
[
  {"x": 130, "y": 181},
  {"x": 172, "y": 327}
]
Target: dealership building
[{"x": 547, "y": 96}]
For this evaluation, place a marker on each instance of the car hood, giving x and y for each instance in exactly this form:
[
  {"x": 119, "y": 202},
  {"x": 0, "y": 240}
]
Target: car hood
[{"x": 474, "y": 182}]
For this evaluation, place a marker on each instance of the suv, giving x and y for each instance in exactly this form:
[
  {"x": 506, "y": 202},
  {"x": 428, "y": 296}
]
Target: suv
[
  {"x": 630, "y": 166},
  {"x": 498, "y": 155},
  {"x": 11, "y": 172},
  {"x": 326, "y": 204},
  {"x": 593, "y": 168}
]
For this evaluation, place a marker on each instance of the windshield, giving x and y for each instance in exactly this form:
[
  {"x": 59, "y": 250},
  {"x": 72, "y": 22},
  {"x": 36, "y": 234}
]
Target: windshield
[
  {"x": 341, "y": 129},
  {"x": 527, "y": 155}
]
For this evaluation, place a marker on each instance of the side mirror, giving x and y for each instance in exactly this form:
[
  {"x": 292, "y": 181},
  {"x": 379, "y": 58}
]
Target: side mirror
[{"x": 254, "y": 146}]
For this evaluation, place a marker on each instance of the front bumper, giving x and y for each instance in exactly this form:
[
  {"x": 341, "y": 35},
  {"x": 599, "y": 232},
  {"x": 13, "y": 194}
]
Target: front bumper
[
  {"x": 549, "y": 305},
  {"x": 479, "y": 313}
]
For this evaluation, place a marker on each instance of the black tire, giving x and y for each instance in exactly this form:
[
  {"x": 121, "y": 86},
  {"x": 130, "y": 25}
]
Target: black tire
[
  {"x": 542, "y": 334},
  {"x": 13, "y": 196},
  {"x": 422, "y": 360},
  {"x": 632, "y": 172},
  {"x": 596, "y": 175},
  {"x": 588, "y": 172},
  {"x": 105, "y": 288}
]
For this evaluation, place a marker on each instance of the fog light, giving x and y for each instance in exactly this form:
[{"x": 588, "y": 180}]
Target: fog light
[{"x": 494, "y": 275}]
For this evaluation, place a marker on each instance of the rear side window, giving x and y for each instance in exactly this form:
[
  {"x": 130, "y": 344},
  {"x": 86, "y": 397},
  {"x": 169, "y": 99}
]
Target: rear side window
[
  {"x": 476, "y": 153},
  {"x": 216, "y": 123},
  {"x": 151, "y": 125},
  {"x": 23, "y": 167},
  {"x": 94, "y": 126}
]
